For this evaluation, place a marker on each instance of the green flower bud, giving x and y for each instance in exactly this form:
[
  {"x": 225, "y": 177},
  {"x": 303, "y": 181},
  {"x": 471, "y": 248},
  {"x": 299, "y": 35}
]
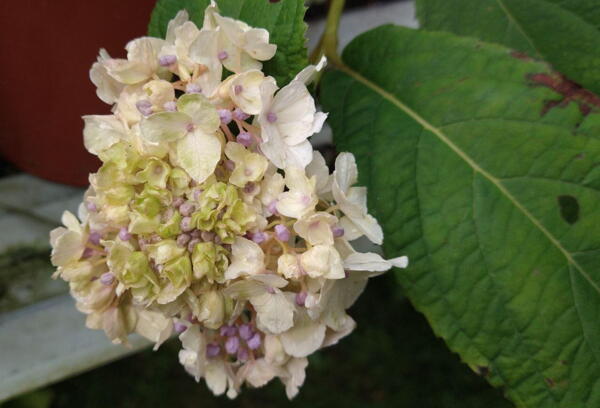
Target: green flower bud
[
  {"x": 179, "y": 271},
  {"x": 212, "y": 309},
  {"x": 210, "y": 261},
  {"x": 171, "y": 227},
  {"x": 178, "y": 181}
]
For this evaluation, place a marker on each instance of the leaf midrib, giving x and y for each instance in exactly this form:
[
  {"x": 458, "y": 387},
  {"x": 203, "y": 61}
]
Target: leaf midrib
[{"x": 446, "y": 140}]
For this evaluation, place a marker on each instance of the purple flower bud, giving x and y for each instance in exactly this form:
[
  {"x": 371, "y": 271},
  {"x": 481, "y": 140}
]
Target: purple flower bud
[
  {"x": 227, "y": 330},
  {"x": 95, "y": 237},
  {"x": 155, "y": 238},
  {"x": 259, "y": 237},
  {"x": 186, "y": 209},
  {"x": 282, "y": 232},
  {"x": 212, "y": 350},
  {"x": 192, "y": 244},
  {"x": 186, "y": 224},
  {"x": 238, "y": 89},
  {"x": 270, "y": 290},
  {"x": 222, "y": 55},
  {"x": 272, "y": 207},
  {"x": 240, "y": 114},
  {"x": 337, "y": 231},
  {"x": 232, "y": 344},
  {"x": 91, "y": 206},
  {"x": 179, "y": 327},
  {"x": 254, "y": 342},
  {"x": 107, "y": 278},
  {"x": 229, "y": 165},
  {"x": 167, "y": 60},
  {"x": 144, "y": 106},
  {"x": 178, "y": 201},
  {"x": 183, "y": 239},
  {"x": 244, "y": 138},
  {"x": 245, "y": 331},
  {"x": 190, "y": 127},
  {"x": 192, "y": 88},
  {"x": 225, "y": 116},
  {"x": 196, "y": 233},
  {"x": 271, "y": 117},
  {"x": 301, "y": 298},
  {"x": 207, "y": 236},
  {"x": 124, "y": 235},
  {"x": 250, "y": 187},
  {"x": 218, "y": 240},
  {"x": 88, "y": 252},
  {"x": 242, "y": 355},
  {"x": 170, "y": 106}
]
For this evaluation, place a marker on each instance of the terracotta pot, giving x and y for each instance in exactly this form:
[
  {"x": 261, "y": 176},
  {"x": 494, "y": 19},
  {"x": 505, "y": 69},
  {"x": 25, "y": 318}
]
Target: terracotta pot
[{"x": 46, "y": 50}]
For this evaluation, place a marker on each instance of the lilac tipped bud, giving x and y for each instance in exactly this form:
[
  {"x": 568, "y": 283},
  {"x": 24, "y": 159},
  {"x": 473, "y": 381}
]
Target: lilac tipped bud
[
  {"x": 179, "y": 327},
  {"x": 144, "y": 106},
  {"x": 91, "y": 206},
  {"x": 229, "y": 165},
  {"x": 95, "y": 237},
  {"x": 245, "y": 331},
  {"x": 242, "y": 355},
  {"x": 259, "y": 237},
  {"x": 186, "y": 224},
  {"x": 272, "y": 207},
  {"x": 186, "y": 209},
  {"x": 250, "y": 187},
  {"x": 212, "y": 350},
  {"x": 223, "y": 55},
  {"x": 183, "y": 239},
  {"x": 240, "y": 114},
  {"x": 301, "y": 298},
  {"x": 254, "y": 342},
  {"x": 124, "y": 235},
  {"x": 244, "y": 138},
  {"x": 178, "y": 201},
  {"x": 167, "y": 60},
  {"x": 271, "y": 117},
  {"x": 232, "y": 345},
  {"x": 238, "y": 89},
  {"x": 227, "y": 331},
  {"x": 337, "y": 231},
  {"x": 170, "y": 106},
  {"x": 282, "y": 232},
  {"x": 207, "y": 236},
  {"x": 192, "y": 244},
  {"x": 107, "y": 278},
  {"x": 196, "y": 233},
  {"x": 225, "y": 116},
  {"x": 193, "y": 88}
]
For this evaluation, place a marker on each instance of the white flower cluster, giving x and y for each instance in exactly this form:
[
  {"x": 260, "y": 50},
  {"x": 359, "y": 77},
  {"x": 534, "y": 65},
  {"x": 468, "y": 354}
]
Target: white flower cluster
[{"x": 212, "y": 216}]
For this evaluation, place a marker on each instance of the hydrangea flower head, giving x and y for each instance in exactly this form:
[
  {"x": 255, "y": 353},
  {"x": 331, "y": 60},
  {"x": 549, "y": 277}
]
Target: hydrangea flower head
[{"x": 211, "y": 216}]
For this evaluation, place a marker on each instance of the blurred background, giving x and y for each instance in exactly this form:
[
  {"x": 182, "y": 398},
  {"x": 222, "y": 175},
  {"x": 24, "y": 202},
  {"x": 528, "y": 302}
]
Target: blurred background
[{"x": 47, "y": 357}]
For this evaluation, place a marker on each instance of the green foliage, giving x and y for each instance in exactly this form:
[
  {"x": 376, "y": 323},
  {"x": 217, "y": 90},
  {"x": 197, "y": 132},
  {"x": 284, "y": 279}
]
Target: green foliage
[
  {"x": 492, "y": 190},
  {"x": 284, "y": 21},
  {"x": 564, "y": 33}
]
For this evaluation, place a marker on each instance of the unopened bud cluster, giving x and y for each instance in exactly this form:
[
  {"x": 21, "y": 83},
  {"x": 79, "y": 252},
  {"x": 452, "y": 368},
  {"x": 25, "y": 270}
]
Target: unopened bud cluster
[{"x": 211, "y": 216}]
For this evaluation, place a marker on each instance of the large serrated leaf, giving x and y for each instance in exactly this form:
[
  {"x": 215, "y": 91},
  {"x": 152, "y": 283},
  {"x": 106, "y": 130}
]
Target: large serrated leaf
[
  {"x": 494, "y": 194},
  {"x": 284, "y": 21},
  {"x": 564, "y": 33}
]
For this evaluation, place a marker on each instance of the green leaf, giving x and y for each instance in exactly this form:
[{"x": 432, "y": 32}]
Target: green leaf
[
  {"x": 493, "y": 192},
  {"x": 564, "y": 33},
  {"x": 284, "y": 21}
]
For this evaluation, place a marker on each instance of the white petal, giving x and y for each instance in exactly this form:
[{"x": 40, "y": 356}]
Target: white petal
[
  {"x": 165, "y": 126},
  {"x": 296, "y": 375},
  {"x": 203, "y": 113},
  {"x": 275, "y": 312},
  {"x": 368, "y": 261},
  {"x": 247, "y": 259},
  {"x": 318, "y": 168},
  {"x": 304, "y": 338},
  {"x": 101, "y": 132},
  {"x": 346, "y": 172},
  {"x": 198, "y": 154}
]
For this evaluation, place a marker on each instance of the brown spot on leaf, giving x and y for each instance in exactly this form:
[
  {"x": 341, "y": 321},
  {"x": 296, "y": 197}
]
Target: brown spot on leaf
[
  {"x": 483, "y": 371},
  {"x": 569, "y": 208},
  {"x": 520, "y": 55},
  {"x": 550, "y": 382},
  {"x": 570, "y": 91},
  {"x": 580, "y": 156}
]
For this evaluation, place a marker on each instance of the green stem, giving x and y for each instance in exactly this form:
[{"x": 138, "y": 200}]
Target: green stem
[{"x": 329, "y": 41}]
